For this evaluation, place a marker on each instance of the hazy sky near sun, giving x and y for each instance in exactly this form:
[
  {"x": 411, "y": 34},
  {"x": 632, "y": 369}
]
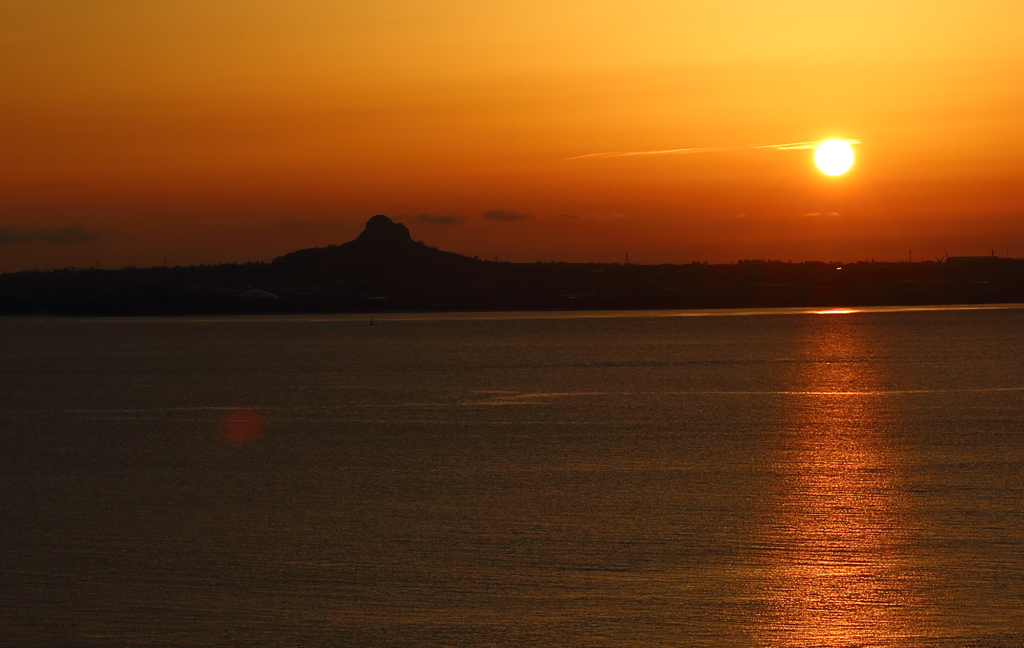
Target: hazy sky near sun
[{"x": 221, "y": 130}]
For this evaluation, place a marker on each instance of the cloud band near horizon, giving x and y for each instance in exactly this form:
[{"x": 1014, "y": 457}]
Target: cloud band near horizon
[
  {"x": 505, "y": 215},
  {"x": 60, "y": 235}
]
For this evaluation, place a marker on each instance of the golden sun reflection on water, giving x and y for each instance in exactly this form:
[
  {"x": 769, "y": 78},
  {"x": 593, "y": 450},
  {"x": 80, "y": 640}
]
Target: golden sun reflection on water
[{"x": 842, "y": 562}]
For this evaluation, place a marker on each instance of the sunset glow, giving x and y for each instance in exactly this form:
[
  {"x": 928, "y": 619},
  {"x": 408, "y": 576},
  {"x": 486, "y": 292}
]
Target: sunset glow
[{"x": 205, "y": 133}]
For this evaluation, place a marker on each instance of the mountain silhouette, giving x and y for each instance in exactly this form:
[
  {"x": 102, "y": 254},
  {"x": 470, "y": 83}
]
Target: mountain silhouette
[
  {"x": 381, "y": 230},
  {"x": 383, "y": 249}
]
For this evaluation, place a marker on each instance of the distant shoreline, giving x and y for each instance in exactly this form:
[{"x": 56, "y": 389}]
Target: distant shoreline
[
  {"x": 385, "y": 271},
  {"x": 383, "y": 317},
  {"x": 489, "y": 287}
]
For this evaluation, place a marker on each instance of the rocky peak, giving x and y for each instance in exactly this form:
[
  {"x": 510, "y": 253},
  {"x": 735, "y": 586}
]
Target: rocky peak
[{"x": 381, "y": 229}]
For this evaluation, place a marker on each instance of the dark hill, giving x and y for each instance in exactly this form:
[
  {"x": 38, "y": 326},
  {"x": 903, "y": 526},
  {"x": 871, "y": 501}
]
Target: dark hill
[{"x": 383, "y": 250}]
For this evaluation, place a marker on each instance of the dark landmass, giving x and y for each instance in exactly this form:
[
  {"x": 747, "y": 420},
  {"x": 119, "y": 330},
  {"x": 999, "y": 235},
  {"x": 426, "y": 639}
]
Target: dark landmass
[{"x": 385, "y": 270}]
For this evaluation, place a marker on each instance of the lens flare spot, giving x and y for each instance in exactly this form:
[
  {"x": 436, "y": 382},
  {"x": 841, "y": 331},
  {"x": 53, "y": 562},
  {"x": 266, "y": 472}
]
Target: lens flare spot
[{"x": 242, "y": 425}]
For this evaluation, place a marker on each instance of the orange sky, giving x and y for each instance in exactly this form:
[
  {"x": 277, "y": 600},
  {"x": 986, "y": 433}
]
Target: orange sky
[{"x": 211, "y": 130}]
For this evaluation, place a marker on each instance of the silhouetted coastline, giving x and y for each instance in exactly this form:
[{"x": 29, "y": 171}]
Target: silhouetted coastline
[{"x": 385, "y": 270}]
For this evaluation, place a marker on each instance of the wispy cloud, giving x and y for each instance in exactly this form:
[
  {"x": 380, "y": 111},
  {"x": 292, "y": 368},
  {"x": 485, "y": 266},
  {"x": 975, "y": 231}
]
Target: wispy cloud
[
  {"x": 681, "y": 151},
  {"x": 504, "y": 215},
  {"x": 798, "y": 146},
  {"x": 790, "y": 146},
  {"x": 822, "y": 215},
  {"x": 441, "y": 219},
  {"x": 595, "y": 216},
  {"x": 60, "y": 235}
]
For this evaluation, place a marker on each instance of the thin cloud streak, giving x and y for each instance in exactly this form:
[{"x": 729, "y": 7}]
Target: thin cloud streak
[
  {"x": 62, "y": 235},
  {"x": 505, "y": 215},
  {"x": 799, "y": 146},
  {"x": 791, "y": 146},
  {"x": 682, "y": 151}
]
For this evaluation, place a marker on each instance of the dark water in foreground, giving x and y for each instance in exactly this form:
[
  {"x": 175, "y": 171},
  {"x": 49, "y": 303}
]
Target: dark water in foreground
[{"x": 760, "y": 480}]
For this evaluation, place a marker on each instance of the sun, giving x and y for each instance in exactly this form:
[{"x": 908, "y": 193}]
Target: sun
[{"x": 834, "y": 157}]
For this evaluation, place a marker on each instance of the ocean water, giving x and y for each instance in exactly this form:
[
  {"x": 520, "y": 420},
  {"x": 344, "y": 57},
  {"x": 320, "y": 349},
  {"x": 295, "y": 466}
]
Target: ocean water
[{"x": 773, "y": 478}]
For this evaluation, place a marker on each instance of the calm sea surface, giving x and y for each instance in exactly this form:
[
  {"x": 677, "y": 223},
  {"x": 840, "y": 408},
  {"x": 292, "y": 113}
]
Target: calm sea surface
[{"x": 767, "y": 479}]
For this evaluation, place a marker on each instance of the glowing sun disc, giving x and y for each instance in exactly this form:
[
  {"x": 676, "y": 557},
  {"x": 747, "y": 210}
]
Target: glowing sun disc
[{"x": 834, "y": 157}]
